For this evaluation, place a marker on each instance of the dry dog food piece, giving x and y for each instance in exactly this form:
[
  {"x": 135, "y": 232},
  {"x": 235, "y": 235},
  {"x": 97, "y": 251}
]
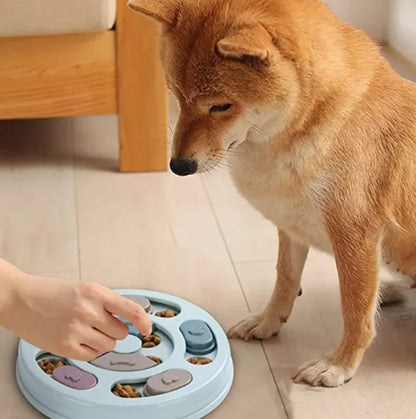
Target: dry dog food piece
[
  {"x": 149, "y": 345},
  {"x": 155, "y": 359},
  {"x": 48, "y": 366},
  {"x": 150, "y": 341},
  {"x": 126, "y": 391},
  {"x": 199, "y": 361},
  {"x": 166, "y": 313}
]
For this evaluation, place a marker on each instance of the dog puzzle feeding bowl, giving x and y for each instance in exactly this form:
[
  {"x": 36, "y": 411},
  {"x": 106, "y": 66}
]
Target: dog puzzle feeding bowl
[{"x": 182, "y": 370}]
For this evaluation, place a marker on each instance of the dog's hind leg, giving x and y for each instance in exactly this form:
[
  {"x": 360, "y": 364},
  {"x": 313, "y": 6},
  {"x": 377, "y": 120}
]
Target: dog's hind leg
[{"x": 291, "y": 260}]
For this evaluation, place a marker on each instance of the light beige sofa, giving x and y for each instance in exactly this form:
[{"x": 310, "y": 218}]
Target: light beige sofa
[{"x": 82, "y": 57}]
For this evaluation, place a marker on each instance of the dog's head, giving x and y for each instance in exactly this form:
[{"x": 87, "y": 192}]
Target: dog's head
[{"x": 232, "y": 64}]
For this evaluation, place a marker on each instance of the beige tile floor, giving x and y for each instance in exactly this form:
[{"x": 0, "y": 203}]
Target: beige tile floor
[{"x": 66, "y": 211}]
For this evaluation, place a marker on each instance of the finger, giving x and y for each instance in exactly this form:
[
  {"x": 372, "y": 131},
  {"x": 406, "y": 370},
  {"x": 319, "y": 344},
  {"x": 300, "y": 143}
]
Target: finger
[
  {"x": 98, "y": 341},
  {"x": 111, "y": 326},
  {"x": 85, "y": 353},
  {"x": 129, "y": 310}
]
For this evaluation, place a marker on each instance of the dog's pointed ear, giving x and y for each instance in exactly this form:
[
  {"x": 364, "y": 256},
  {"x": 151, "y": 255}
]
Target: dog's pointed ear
[
  {"x": 164, "y": 11},
  {"x": 247, "y": 43}
]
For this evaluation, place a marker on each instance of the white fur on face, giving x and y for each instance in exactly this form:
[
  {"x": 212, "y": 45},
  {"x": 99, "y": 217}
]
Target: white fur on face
[
  {"x": 254, "y": 126},
  {"x": 258, "y": 125},
  {"x": 267, "y": 122},
  {"x": 235, "y": 136},
  {"x": 238, "y": 132}
]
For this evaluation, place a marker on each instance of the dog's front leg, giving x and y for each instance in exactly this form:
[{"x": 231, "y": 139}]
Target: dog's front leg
[
  {"x": 357, "y": 262},
  {"x": 291, "y": 260}
]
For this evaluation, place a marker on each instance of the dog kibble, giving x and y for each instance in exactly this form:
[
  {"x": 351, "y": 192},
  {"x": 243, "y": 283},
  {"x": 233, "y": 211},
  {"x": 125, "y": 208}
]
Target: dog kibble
[
  {"x": 121, "y": 393},
  {"x": 48, "y": 366},
  {"x": 155, "y": 359},
  {"x": 149, "y": 345},
  {"x": 150, "y": 341},
  {"x": 166, "y": 314},
  {"x": 126, "y": 392},
  {"x": 199, "y": 361}
]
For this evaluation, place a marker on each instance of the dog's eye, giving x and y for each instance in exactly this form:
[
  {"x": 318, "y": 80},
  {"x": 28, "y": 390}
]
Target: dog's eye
[{"x": 221, "y": 108}]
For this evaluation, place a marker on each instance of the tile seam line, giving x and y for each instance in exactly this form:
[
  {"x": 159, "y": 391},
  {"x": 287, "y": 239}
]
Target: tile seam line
[
  {"x": 242, "y": 290},
  {"x": 76, "y": 202}
]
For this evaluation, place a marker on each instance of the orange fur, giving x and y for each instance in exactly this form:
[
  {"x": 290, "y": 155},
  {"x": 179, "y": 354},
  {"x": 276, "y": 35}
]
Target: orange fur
[{"x": 320, "y": 138}]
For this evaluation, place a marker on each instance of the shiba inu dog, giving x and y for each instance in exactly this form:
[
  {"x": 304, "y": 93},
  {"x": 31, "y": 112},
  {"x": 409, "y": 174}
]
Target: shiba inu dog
[{"x": 319, "y": 134}]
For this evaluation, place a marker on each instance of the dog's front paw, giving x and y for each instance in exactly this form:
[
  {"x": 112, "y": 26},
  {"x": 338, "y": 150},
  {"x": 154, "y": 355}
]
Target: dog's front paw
[
  {"x": 258, "y": 327},
  {"x": 323, "y": 372}
]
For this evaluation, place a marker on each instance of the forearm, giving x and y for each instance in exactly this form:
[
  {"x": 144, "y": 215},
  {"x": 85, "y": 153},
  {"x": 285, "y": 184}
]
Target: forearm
[
  {"x": 68, "y": 318},
  {"x": 11, "y": 280}
]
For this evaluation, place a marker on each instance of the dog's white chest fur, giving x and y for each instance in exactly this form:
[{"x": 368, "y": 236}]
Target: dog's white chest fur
[{"x": 263, "y": 181}]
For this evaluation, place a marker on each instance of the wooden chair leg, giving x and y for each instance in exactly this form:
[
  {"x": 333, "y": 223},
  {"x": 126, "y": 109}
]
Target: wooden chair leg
[{"x": 142, "y": 97}]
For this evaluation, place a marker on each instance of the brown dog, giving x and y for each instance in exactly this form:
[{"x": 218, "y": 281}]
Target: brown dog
[{"x": 320, "y": 136}]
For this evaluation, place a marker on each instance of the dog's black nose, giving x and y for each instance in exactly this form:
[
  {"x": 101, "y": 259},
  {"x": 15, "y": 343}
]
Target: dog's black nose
[{"x": 183, "y": 167}]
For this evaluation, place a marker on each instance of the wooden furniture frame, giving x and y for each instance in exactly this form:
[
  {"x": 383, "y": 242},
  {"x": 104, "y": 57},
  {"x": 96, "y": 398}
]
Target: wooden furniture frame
[{"x": 116, "y": 71}]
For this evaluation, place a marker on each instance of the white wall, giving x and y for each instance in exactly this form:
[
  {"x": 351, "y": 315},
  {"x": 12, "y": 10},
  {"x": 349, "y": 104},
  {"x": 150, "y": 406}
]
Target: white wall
[
  {"x": 402, "y": 27},
  {"x": 369, "y": 15}
]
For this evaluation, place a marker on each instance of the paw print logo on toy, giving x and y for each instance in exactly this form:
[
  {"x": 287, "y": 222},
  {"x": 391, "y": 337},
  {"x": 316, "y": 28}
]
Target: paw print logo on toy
[{"x": 74, "y": 377}]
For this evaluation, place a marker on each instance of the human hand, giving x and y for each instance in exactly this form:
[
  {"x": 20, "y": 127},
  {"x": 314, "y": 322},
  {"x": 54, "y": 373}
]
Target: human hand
[{"x": 70, "y": 318}]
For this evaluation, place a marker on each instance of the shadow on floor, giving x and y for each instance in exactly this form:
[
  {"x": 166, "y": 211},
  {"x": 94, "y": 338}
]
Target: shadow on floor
[{"x": 63, "y": 142}]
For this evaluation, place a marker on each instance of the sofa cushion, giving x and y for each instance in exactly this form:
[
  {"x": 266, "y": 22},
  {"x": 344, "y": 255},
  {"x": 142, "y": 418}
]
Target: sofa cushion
[{"x": 47, "y": 17}]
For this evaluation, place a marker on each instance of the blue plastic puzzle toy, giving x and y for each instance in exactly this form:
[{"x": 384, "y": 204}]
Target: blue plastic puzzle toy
[{"x": 183, "y": 370}]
